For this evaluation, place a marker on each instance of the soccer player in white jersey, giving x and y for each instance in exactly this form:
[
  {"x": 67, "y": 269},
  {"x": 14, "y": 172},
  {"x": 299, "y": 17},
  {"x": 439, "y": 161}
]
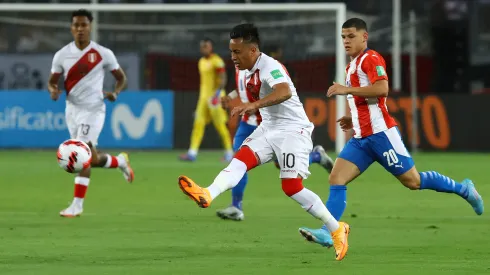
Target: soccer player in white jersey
[
  {"x": 376, "y": 136},
  {"x": 83, "y": 64},
  {"x": 285, "y": 132},
  {"x": 247, "y": 126}
]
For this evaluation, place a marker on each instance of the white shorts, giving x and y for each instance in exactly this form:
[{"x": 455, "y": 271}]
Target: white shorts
[
  {"x": 84, "y": 123},
  {"x": 291, "y": 146}
]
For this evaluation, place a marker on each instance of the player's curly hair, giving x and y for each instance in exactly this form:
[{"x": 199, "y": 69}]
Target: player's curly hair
[
  {"x": 248, "y": 32},
  {"x": 82, "y": 12}
]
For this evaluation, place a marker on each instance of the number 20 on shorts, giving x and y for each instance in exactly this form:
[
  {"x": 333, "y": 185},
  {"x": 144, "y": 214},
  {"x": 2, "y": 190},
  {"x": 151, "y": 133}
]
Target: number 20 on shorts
[{"x": 391, "y": 157}]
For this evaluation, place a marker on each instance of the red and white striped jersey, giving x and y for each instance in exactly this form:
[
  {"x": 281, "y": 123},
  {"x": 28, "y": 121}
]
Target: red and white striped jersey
[
  {"x": 369, "y": 115},
  {"x": 241, "y": 89},
  {"x": 84, "y": 71}
]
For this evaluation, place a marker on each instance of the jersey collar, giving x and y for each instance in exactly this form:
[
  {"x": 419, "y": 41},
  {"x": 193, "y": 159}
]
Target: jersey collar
[{"x": 256, "y": 64}]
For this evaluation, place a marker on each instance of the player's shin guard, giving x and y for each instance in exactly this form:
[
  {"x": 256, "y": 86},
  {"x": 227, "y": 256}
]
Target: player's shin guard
[
  {"x": 114, "y": 162},
  {"x": 81, "y": 185},
  {"x": 309, "y": 201},
  {"x": 229, "y": 177},
  {"x": 440, "y": 183}
]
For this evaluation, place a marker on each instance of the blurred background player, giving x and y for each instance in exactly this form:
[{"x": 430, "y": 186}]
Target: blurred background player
[
  {"x": 285, "y": 132},
  {"x": 83, "y": 63},
  {"x": 246, "y": 127},
  {"x": 213, "y": 81},
  {"x": 376, "y": 135}
]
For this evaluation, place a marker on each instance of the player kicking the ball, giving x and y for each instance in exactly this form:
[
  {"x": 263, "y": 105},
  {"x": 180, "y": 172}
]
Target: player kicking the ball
[
  {"x": 285, "y": 132},
  {"x": 82, "y": 64},
  {"x": 376, "y": 136},
  {"x": 247, "y": 126}
]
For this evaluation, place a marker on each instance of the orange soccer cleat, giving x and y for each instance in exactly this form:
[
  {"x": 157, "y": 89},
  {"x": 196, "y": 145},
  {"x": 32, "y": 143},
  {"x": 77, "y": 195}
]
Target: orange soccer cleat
[
  {"x": 340, "y": 243},
  {"x": 198, "y": 194}
]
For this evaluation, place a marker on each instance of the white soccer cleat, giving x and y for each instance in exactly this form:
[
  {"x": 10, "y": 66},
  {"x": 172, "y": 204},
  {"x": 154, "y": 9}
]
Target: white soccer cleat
[
  {"x": 74, "y": 210},
  {"x": 231, "y": 213},
  {"x": 325, "y": 161},
  {"x": 126, "y": 169}
]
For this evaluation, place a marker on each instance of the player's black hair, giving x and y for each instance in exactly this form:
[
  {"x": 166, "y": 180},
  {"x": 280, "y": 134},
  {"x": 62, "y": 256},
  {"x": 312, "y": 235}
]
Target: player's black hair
[
  {"x": 357, "y": 23},
  {"x": 207, "y": 39},
  {"x": 248, "y": 32},
  {"x": 271, "y": 48},
  {"x": 82, "y": 12}
]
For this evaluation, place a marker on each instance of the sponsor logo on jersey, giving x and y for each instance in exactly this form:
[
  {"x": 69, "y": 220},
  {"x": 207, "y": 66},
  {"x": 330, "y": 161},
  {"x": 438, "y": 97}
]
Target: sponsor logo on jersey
[
  {"x": 276, "y": 74},
  {"x": 136, "y": 127},
  {"x": 380, "y": 70}
]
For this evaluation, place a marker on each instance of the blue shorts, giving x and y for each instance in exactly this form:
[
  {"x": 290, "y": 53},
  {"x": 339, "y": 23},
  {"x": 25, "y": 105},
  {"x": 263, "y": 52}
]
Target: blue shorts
[
  {"x": 243, "y": 131},
  {"x": 386, "y": 148}
]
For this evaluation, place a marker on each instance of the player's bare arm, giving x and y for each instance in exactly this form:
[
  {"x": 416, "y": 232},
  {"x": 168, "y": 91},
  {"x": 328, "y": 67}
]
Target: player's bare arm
[
  {"x": 380, "y": 88},
  {"x": 280, "y": 93},
  {"x": 222, "y": 80},
  {"x": 121, "y": 82},
  {"x": 53, "y": 89},
  {"x": 225, "y": 101}
]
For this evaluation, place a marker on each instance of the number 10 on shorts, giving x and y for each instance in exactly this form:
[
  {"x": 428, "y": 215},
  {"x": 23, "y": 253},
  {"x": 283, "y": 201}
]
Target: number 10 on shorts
[{"x": 288, "y": 160}]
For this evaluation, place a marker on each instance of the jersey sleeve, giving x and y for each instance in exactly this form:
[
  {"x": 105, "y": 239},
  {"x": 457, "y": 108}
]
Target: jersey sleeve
[
  {"x": 219, "y": 65},
  {"x": 56, "y": 66},
  {"x": 111, "y": 63},
  {"x": 274, "y": 74},
  {"x": 375, "y": 68}
]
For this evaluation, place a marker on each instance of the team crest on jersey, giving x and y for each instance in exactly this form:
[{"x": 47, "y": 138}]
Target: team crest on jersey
[{"x": 92, "y": 57}]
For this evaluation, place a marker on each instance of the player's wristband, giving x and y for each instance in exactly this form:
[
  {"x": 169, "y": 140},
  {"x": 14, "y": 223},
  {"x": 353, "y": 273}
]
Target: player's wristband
[{"x": 233, "y": 94}]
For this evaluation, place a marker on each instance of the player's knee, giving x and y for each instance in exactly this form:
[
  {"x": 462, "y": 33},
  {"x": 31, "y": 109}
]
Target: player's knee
[
  {"x": 336, "y": 179},
  {"x": 199, "y": 123},
  {"x": 247, "y": 156},
  {"x": 95, "y": 156},
  {"x": 292, "y": 186}
]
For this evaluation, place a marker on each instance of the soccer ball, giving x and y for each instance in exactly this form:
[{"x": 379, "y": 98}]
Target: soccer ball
[{"x": 74, "y": 155}]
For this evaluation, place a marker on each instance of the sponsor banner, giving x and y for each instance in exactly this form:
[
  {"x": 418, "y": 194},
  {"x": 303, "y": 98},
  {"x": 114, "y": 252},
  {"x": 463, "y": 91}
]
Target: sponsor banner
[
  {"x": 31, "y": 71},
  {"x": 446, "y": 122},
  {"x": 30, "y": 119}
]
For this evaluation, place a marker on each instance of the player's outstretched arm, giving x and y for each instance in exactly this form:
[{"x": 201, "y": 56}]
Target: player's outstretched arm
[{"x": 53, "y": 89}]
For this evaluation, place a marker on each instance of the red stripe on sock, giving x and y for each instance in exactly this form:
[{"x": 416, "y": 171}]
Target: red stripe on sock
[
  {"x": 80, "y": 190},
  {"x": 247, "y": 156},
  {"x": 292, "y": 186},
  {"x": 114, "y": 162}
]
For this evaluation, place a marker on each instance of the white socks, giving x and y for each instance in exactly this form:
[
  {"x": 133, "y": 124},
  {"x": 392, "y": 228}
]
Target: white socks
[
  {"x": 312, "y": 203},
  {"x": 227, "y": 178}
]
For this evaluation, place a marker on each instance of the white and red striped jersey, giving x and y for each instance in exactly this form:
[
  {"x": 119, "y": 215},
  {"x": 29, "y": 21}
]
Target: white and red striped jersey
[
  {"x": 84, "y": 71},
  {"x": 245, "y": 97},
  {"x": 258, "y": 83},
  {"x": 369, "y": 115}
]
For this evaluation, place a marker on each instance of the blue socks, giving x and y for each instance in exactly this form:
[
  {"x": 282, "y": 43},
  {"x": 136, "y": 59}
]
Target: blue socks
[
  {"x": 237, "y": 192},
  {"x": 315, "y": 157},
  {"x": 337, "y": 201},
  {"x": 440, "y": 183}
]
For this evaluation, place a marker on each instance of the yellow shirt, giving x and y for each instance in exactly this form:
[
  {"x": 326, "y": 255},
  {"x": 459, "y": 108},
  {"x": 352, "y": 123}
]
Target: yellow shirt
[{"x": 209, "y": 69}]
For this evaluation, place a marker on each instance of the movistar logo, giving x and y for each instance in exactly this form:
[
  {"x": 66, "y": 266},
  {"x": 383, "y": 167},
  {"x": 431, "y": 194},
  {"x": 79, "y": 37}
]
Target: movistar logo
[{"x": 136, "y": 127}]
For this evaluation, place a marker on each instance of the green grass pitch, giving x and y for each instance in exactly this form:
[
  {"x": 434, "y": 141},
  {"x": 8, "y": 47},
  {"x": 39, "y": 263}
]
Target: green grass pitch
[{"x": 150, "y": 227}]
